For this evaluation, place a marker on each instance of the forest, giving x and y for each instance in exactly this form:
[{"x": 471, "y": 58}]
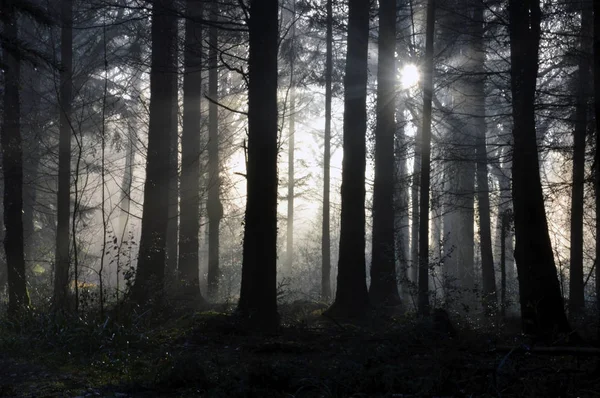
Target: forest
[{"x": 300, "y": 198}]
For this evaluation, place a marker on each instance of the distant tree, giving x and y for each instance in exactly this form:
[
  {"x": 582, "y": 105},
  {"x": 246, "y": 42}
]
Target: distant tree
[
  {"x": 352, "y": 299},
  {"x": 63, "y": 200},
  {"x": 423, "y": 298},
  {"x": 190, "y": 152},
  {"x": 151, "y": 262},
  {"x": 542, "y": 309},
  {"x": 326, "y": 229},
  {"x": 12, "y": 161},
  {"x": 384, "y": 288},
  {"x": 258, "y": 296},
  {"x": 576, "y": 286},
  {"x": 214, "y": 205}
]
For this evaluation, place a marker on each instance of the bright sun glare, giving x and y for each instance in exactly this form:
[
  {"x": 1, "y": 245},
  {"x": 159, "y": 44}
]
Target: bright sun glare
[{"x": 409, "y": 76}]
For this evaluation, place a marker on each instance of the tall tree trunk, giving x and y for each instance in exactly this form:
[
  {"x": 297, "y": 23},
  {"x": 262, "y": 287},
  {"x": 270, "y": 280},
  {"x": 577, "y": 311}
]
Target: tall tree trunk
[
  {"x": 189, "y": 229},
  {"x": 401, "y": 220},
  {"x": 173, "y": 166},
  {"x": 384, "y": 287},
  {"x": 289, "y": 252},
  {"x": 414, "y": 198},
  {"x": 215, "y": 208},
  {"x": 258, "y": 297},
  {"x": 149, "y": 281},
  {"x": 576, "y": 290},
  {"x": 542, "y": 309},
  {"x": 596, "y": 66},
  {"x": 12, "y": 166},
  {"x": 63, "y": 200},
  {"x": 476, "y": 67},
  {"x": 423, "y": 299},
  {"x": 326, "y": 233},
  {"x": 352, "y": 299}
]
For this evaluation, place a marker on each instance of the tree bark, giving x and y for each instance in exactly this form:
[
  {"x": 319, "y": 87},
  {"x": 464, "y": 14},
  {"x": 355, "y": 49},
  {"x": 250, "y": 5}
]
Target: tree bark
[
  {"x": 190, "y": 154},
  {"x": 215, "y": 208},
  {"x": 596, "y": 66},
  {"x": 576, "y": 287},
  {"x": 12, "y": 165},
  {"x": 423, "y": 298},
  {"x": 542, "y": 309},
  {"x": 384, "y": 287},
  {"x": 289, "y": 252},
  {"x": 326, "y": 233},
  {"x": 149, "y": 281},
  {"x": 352, "y": 299},
  {"x": 63, "y": 200},
  {"x": 258, "y": 297}
]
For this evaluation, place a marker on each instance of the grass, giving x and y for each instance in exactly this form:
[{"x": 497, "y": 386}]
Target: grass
[{"x": 207, "y": 354}]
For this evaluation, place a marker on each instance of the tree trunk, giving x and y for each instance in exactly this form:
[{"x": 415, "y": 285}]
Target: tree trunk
[
  {"x": 476, "y": 67},
  {"x": 542, "y": 309},
  {"x": 63, "y": 200},
  {"x": 596, "y": 53},
  {"x": 352, "y": 299},
  {"x": 12, "y": 166},
  {"x": 149, "y": 281},
  {"x": 326, "y": 233},
  {"x": 258, "y": 296},
  {"x": 215, "y": 208},
  {"x": 401, "y": 220},
  {"x": 189, "y": 229},
  {"x": 423, "y": 298},
  {"x": 576, "y": 288},
  {"x": 173, "y": 166},
  {"x": 289, "y": 252},
  {"x": 414, "y": 198},
  {"x": 384, "y": 287}
]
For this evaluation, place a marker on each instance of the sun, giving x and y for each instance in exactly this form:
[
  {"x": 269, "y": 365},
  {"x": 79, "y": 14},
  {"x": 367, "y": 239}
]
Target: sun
[{"x": 409, "y": 76}]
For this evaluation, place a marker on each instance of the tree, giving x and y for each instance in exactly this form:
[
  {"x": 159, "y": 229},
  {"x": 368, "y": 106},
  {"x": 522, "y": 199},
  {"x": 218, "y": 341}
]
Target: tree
[
  {"x": 151, "y": 263},
  {"x": 325, "y": 235},
  {"x": 190, "y": 152},
  {"x": 384, "y": 288},
  {"x": 541, "y": 301},
  {"x": 423, "y": 299},
  {"x": 576, "y": 291},
  {"x": 63, "y": 200},
  {"x": 258, "y": 296},
  {"x": 596, "y": 65},
  {"x": 289, "y": 254},
  {"x": 476, "y": 68},
  {"x": 351, "y": 299},
  {"x": 12, "y": 163},
  {"x": 214, "y": 206}
]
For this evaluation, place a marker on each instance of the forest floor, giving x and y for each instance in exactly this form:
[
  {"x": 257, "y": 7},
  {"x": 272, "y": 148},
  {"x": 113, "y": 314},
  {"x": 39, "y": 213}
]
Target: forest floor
[{"x": 207, "y": 354}]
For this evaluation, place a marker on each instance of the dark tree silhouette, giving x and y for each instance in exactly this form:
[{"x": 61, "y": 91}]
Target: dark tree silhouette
[
  {"x": 214, "y": 206},
  {"x": 384, "y": 288},
  {"x": 63, "y": 200},
  {"x": 423, "y": 299},
  {"x": 190, "y": 152},
  {"x": 351, "y": 299},
  {"x": 12, "y": 163},
  {"x": 576, "y": 291},
  {"x": 258, "y": 296},
  {"x": 151, "y": 262},
  {"x": 326, "y": 233},
  {"x": 542, "y": 309}
]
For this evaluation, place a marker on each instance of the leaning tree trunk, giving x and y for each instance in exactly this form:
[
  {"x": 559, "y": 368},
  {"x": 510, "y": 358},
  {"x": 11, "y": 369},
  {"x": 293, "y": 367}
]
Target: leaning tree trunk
[
  {"x": 352, "y": 299},
  {"x": 149, "y": 281},
  {"x": 384, "y": 287},
  {"x": 542, "y": 309},
  {"x": 189, "y": 229},
  {"x": 12, "y": 166},
  {"x": 423, "y": 298},
  {"x": 326, "y": 233},
  {"x": 576, "y": 288},
  {"x": 63, "y": 200},
  {"x": 214, "y": 206},
  {"x": 258, "y": 296}
]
